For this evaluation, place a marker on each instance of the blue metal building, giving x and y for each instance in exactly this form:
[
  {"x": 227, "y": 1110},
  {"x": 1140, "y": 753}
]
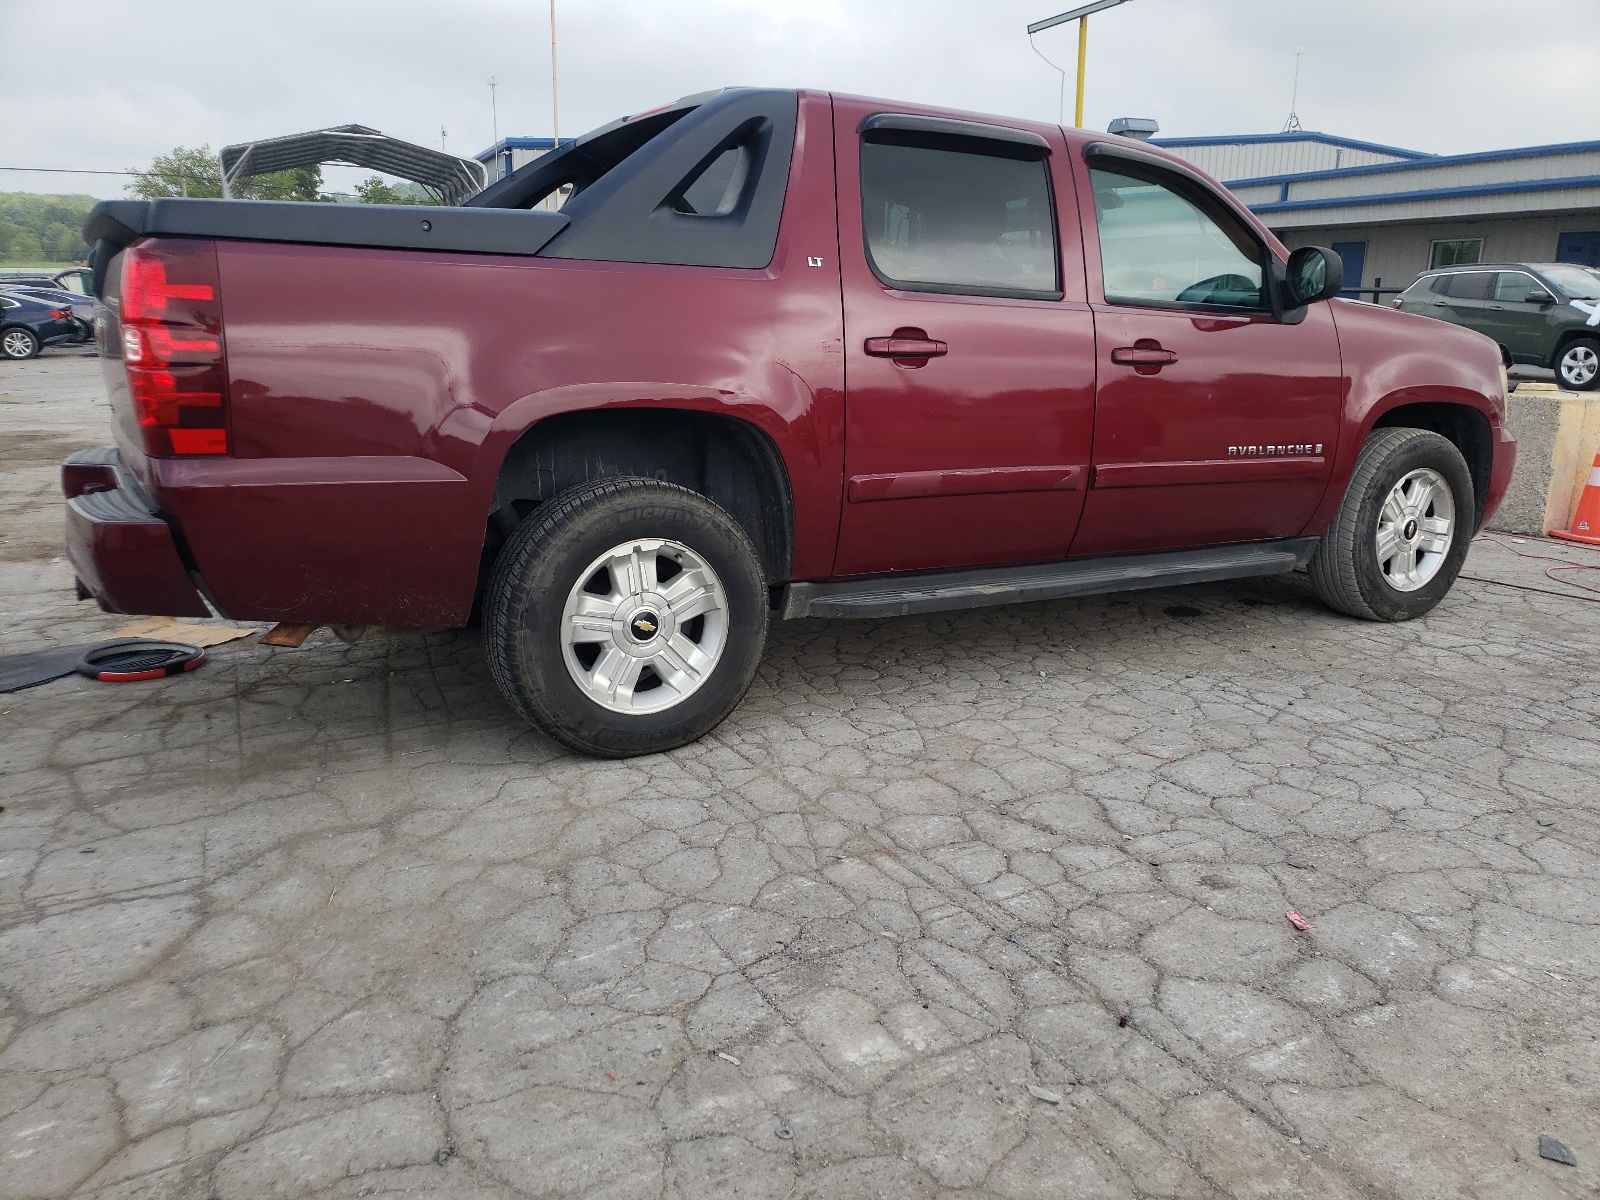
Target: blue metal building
[{"x": 1392, "y": 213}]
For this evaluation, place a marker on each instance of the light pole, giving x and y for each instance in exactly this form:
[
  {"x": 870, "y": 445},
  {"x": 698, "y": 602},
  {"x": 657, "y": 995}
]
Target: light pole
[
  {"x": 1080, "y": 15},
  {"x": 494, "y": 109},
  {"x": 555, "y": 92},
  {"x": 1292, "y": 125}
]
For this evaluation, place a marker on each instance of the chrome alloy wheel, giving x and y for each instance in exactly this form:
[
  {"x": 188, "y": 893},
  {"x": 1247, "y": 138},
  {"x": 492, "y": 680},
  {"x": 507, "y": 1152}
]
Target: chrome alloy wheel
[
  {"x": 644, "y": 626},
  {"x": 1579, "y": 365},
  {"x": 1415, "y": 529},
  {"x": 17, "y": 343}
]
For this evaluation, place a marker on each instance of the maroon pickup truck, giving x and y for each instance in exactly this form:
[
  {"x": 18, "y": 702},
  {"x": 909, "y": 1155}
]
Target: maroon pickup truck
[{"x": 777, "y": 353}]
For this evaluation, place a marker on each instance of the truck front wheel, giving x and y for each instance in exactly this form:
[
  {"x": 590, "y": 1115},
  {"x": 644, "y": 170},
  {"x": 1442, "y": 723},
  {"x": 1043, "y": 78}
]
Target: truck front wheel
[
  {"x": 625, "y": 617},
  {"x": 1398, "y": 541}
]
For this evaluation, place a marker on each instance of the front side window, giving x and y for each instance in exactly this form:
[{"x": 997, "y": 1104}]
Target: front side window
[
  {"x": 1460, "y": 252},
  {"x": 950, "y": 220},
  {"x": 1159, "y": 246},
  {"x": 1515, "y": 287}
]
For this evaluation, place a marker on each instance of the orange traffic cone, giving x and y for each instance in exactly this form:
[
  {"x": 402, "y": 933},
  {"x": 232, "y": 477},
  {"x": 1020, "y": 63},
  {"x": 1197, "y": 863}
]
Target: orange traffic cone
[{"x": 1586, "y": 521}]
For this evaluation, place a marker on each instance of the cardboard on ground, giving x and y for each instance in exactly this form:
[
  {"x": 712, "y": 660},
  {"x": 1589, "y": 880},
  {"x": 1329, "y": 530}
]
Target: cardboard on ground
[{"x": 166, "y": 629}]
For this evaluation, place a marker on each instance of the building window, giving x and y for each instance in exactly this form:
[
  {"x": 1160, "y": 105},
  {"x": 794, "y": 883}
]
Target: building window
[{"x": 1458, "y": 253}]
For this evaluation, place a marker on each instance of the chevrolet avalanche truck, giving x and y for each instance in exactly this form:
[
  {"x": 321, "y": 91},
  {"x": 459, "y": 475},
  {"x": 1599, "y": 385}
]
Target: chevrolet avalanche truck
[{"x": 779, "y": 353}]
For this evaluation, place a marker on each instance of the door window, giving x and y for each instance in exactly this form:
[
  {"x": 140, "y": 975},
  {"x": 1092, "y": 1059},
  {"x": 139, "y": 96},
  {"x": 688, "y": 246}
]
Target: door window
[
  {"x": 1515, "y": 287},
  {"x": 946, "y": 220},
  {"x": 1162, "y": 245},
  {"x": 1471, "y": 285}
]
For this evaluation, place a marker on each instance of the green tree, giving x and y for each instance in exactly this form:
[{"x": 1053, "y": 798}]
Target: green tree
[
  {"x": 25, "y": 248},
  {"x": 42, "y": 228},
  {"x": 198, "y": 172},
  {"x": 375, "y": 191},
  {"x": 297, "y": 183},
  {"x": 183, "y": 172},
  {"x": 63, "y": 243}
]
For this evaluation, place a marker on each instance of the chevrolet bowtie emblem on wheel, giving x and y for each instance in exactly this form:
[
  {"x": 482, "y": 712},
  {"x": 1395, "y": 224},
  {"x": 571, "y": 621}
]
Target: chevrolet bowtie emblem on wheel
[
  {"x": 644, "y": 627},
  {"x": 1301, "y": 450}
]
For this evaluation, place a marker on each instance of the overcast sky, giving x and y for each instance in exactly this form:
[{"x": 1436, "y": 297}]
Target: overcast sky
[{"x": 109, "y": 83}]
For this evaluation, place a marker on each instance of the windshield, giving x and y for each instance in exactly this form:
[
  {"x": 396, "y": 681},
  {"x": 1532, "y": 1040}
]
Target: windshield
[{"x": 1579, "y": 283}]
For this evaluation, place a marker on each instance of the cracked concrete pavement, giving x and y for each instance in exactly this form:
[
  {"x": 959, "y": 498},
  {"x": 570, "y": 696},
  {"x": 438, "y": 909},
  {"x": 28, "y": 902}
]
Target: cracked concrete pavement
[{"x": 329, "y": 922}]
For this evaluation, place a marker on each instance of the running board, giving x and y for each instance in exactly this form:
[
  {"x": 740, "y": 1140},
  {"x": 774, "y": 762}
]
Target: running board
[{"x": 901, "y": 595}]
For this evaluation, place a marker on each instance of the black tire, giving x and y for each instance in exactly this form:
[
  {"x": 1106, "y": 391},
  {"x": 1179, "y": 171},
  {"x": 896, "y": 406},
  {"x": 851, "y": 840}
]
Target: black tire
[
  {"x": 541, "y": 566},
  {"x": 1576, "y": 365},
  {"x": 19, "y": 342},
  {"x": 1345, "y": 570}
]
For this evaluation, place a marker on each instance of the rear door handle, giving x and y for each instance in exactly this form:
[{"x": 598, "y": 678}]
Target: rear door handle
[
  {"x": 906, "y": 347},
  {"x": 1143, "y": 356}
]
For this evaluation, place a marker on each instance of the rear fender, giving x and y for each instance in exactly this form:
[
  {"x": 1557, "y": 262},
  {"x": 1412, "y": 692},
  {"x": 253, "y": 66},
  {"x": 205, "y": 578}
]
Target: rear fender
[{"x": 803, "y": 457}]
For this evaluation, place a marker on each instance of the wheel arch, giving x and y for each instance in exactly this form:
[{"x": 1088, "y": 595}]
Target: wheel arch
[
  {"x": 730, "y": 461},
  {"x": 1464, "y": 426},
  {"x": 1569, "y": 335}
]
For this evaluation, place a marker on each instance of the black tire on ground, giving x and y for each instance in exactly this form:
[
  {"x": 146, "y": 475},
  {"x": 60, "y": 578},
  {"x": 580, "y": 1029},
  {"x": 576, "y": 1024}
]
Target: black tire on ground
[
  {"x": 542, "y": 565},
  {"x": 1345, "y": 568},
  {"x": 1578, "y": 364},
  {"x": 19, "y": 342}
]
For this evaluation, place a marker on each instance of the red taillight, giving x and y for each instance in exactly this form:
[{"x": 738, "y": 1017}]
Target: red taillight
[
  {"x": 172, "y": 347},
  {"x": 61, "y": 314},
  {"x": 1397, "y": 301}
]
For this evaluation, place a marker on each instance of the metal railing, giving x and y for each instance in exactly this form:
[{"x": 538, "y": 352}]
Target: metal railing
[{"x": 1376, "y": 291}]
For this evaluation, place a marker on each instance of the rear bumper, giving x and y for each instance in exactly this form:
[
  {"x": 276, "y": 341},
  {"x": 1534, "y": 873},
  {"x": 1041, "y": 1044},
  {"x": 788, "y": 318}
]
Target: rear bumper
[{"x": 121, "y": 550}]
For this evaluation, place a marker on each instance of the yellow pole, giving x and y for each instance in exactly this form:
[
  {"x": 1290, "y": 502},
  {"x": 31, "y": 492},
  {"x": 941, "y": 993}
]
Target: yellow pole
[{"x": 1083, "y": 61}]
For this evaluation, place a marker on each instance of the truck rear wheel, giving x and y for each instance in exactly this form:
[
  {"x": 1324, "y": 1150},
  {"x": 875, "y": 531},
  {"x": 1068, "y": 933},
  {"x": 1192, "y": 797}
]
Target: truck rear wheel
[
  {"x": 625, "y": 617},
  {"x": 1395, "y": 547}
]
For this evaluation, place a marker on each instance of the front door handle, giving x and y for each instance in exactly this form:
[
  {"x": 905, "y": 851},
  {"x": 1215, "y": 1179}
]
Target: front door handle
[
  {"x": 906, "y": 347},
  {"x": 1143, "y": 356}
]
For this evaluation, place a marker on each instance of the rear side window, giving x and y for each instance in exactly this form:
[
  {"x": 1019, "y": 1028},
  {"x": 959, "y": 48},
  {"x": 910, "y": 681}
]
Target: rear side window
[
  {"x": 1159, "y": 246},
  {"x": 1440, "y": 285},
  {"x": 959, "y": 221},
  {"x": 715, "y": 191},
  {"x": 1471, "y": 285}
]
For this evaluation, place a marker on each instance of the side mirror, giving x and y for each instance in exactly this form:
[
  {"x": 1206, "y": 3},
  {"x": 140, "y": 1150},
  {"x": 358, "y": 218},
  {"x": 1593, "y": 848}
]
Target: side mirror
[
  {"x": 1539, "y": 298},
  {"x": 1313, "y": 274}
]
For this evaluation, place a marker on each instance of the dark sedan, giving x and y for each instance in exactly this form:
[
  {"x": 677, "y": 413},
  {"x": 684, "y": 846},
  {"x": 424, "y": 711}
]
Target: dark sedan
[{"x": 28, "y": 324}]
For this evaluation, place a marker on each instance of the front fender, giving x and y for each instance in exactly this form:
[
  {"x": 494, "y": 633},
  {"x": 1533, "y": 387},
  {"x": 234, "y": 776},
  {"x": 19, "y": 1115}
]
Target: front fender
[{"x": 1393, "y": 360}]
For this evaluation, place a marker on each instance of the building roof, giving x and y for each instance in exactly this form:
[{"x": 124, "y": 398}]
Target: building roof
[
  {"x": 1260, "y": 139},
  {"x": 1427, "y": 161},
  {"x": 1524, "y": 179}
]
